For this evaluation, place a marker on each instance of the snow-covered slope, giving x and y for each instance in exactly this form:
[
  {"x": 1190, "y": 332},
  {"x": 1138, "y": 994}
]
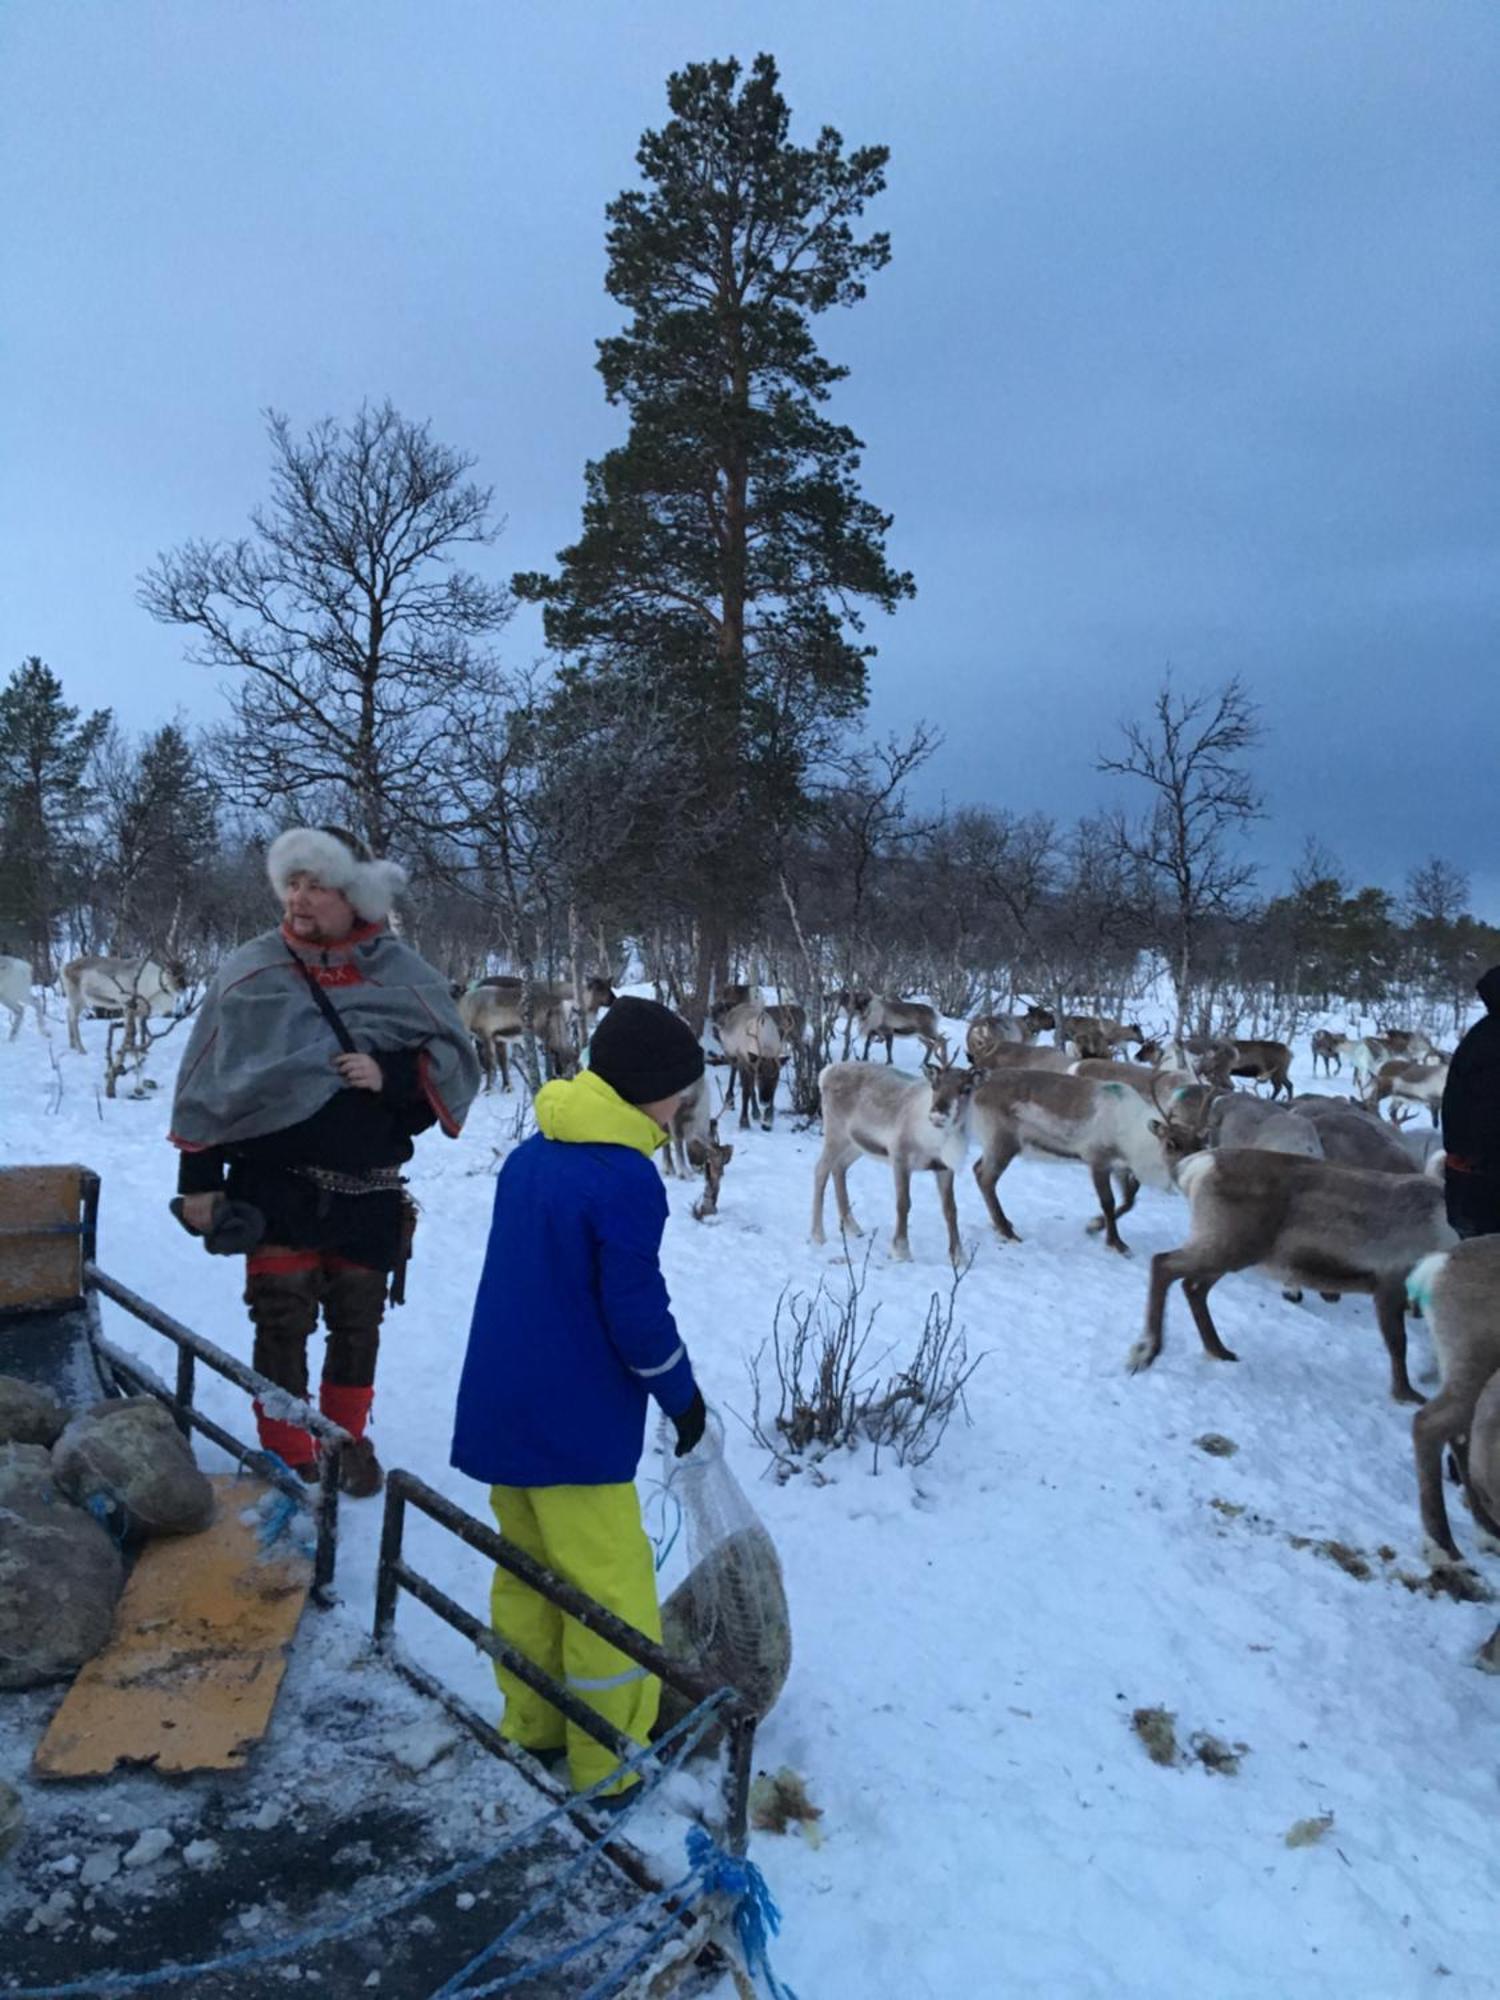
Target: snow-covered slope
[{"x": 973, "y": 1638}]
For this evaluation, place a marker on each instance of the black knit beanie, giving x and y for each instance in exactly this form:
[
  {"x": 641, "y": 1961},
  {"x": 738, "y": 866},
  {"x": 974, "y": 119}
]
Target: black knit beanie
[{"x": 645, "y": 1052}]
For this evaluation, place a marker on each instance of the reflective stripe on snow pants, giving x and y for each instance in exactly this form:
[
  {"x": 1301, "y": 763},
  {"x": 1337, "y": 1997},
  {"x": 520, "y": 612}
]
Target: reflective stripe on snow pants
[{"x": 592, "y": 1536}]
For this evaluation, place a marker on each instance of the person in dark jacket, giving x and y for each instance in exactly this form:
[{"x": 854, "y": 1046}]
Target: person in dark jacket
[
  {"x": 274, "y": 1116},
  {"x": 1471, "y": 1121},
  {"x": 572, "y": 1336}
]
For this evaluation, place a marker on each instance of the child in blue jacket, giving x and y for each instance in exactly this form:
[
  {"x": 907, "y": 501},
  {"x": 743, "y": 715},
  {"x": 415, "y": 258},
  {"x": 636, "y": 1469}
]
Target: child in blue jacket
[{"x": 572, "y": 1334}]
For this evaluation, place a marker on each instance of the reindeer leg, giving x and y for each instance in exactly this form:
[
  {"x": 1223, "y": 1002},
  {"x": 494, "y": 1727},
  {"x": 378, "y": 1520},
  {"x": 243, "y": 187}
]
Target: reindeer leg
[
  {"x": 1390, "y": 1313},
  {"x": 1195, "y": 1290},
  {"x": 900, "y": 1248},
  {"x": 987, "y": 1171},
  {"x": 502, "y": 1061},
  {"x": 1106, "y": 1196},
  {"x": 890, "y": 1046},
  {"x": 1437, "y": 1423},
  {"x": 747, "y": 1093},
  {"x": 1165, "y": 1266},
  {"x": 950, "y": 1214},
  {"x": 841, "y": 1194},
  {"x": 1130, "y": 1187},
  {"x": 820, "y": 1183}
]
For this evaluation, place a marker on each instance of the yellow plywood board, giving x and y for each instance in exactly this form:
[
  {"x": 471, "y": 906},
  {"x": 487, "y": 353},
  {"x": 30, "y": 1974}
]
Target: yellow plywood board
[
  {"x": 191, "y": 1671},
  {"x": 39, "y": 1270}
]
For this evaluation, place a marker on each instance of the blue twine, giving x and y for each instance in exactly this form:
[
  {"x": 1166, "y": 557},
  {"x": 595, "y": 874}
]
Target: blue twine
[
  {"x": 756, "y": 1917},
  {"x": 278, "y": 1510},
  {"x": 107, "y": 1512},
  {"x": 692, "y": 1728}
]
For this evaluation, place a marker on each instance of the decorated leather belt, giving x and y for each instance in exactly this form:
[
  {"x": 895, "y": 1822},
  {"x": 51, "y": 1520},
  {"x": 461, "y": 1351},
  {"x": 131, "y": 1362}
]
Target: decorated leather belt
[{"x": 376, "y": 1180}]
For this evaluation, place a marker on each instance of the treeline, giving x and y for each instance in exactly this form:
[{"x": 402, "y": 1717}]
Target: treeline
[
  {"x": 120, "y": 844},
  {"x": 684, "y": 787}
]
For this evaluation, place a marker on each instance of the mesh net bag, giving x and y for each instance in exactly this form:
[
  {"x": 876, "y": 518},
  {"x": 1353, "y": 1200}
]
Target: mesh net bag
[{"x": 728, "y": 1617}]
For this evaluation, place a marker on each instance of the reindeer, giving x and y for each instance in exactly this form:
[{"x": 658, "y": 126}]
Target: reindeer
[
  {"x": 138, "y": 988},
  {"x": 1410, "y": 1044},
  {"x": 919, "y": 1125},
  {"x": 791, "y": 1024},
  {"x": 693, "y": 1143},
  {"x": 1458, "y": 1291},
  {"x": 1411, "y": 1083},
  {"x": 1236, "y": 1120},
  {"x": 493, "y": 1011},
  {"x": 1366, "y": 1053},
  {"x": 1107, "y": 1126},
  {"x": 752, "y": 1039},
  {"x": 1325, "y": 1049},
  {"x": 1354, "y": 1137},
  {"x": 1009, "y": 1056},
  {"x": 882, "y": 1017},
  {"x": 989, "y": 1031},
  {"x": 1309, "y": 1222},
  {"x": 1209, "y": 1057},
  {"x": 17, "y": 993},
  {"x": 1096, "y": 1035}
]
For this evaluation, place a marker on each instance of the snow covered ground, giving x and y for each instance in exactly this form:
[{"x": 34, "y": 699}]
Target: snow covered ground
[{"x": 973, "y": 1638}]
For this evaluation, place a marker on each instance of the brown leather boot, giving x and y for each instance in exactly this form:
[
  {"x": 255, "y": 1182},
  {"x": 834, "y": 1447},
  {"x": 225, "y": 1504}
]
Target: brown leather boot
[{"x": 360, "y": 1473}]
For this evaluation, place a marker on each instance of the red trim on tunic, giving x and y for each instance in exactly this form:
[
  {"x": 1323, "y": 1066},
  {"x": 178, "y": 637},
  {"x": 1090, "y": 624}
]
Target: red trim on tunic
[
  {"x": 281, "y": 1262},
  {"x": 444, "y": 1116}
]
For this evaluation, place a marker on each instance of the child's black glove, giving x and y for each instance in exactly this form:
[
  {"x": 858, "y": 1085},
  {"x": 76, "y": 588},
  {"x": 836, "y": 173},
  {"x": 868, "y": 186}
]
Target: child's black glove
[{"x": 690, "y": 1425}]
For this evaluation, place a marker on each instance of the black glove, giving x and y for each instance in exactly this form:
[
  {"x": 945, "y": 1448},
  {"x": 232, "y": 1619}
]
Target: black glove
[
  {"x": 236, "y": 1229},
  {"x": 689, "y": 1424}
]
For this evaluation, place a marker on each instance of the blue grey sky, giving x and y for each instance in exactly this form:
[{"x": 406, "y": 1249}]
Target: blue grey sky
[{"x": 1187, "y": 353}]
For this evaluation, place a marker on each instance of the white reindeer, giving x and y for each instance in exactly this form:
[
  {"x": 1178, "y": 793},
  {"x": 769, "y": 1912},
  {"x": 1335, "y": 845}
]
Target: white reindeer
[
  {"x": 1459, "y": 1293},
  {"x": 919, "y": 1125},
  {"x": 138, "y": 988},
  {"x": 693, "y": 1143},
  {"x": 755, "y": 1041},
  {"x": 17, "y": 993}
]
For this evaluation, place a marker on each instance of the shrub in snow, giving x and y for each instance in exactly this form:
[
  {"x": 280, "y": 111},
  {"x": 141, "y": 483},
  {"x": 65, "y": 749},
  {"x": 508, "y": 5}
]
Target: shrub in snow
[{"x": 830, "y": 1398}]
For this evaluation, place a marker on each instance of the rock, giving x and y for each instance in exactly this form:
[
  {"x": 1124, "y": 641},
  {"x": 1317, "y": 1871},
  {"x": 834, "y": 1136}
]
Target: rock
[
  {"x": 268, "y": 1818},
  {"x": 12, "y": 1818},
  {"x": 253, "y": 1918},
  {"x": 29, "y": 1414},
  {"x": 129, "y": 1455},
  {"x": 60, "y": 1578},
  {"x": 25, "y": 1472},
  {"x": 201, "y": 1853},
  {"x": 150, "y": 1846},
  {"x": 103, "y": 1865}
]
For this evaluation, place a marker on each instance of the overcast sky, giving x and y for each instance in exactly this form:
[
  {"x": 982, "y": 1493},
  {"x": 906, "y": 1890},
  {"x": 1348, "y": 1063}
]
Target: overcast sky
[{"x": 1187, "y": 354}]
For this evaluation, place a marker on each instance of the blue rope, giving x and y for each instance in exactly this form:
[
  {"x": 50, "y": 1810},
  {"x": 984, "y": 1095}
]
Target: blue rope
[
  {"x": 692, "y": 1728},
  {"x": 667, "y": 1497},
  {"x": 756, "y": 1917},
  {"x": 453, "y": 1988}
]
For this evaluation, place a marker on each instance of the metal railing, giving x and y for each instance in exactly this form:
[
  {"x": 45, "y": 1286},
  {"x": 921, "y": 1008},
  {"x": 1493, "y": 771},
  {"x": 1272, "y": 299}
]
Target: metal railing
[
  {"x": 395, "y": 1574},
  {"x": 192, "y": 1348}
]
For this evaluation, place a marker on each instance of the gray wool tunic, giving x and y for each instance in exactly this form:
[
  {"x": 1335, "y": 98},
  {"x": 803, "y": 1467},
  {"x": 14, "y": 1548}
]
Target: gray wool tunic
[{"x": 260, "y": 1057}]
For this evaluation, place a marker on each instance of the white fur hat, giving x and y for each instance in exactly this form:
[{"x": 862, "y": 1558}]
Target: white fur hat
[{"x": 339, "y": 860}]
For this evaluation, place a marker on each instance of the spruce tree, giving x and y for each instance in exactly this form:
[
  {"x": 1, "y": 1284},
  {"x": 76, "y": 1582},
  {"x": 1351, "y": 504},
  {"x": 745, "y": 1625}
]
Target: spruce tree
[
  {"x": 727, "y": 554},
  {"x": 45, "y": 799}
]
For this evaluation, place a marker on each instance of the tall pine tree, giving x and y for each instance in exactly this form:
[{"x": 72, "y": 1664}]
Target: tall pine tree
[
  {"x": 727, "y": 554},
  {"x": 45, "y": 798}
]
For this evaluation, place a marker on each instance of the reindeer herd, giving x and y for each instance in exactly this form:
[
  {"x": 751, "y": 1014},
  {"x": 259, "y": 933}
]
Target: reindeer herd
[{"x": 1321, "y": 1192}]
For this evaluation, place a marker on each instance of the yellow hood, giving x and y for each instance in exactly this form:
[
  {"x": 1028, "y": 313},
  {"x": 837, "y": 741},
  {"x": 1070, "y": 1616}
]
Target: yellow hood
[{"x": 583, "y": 1111}]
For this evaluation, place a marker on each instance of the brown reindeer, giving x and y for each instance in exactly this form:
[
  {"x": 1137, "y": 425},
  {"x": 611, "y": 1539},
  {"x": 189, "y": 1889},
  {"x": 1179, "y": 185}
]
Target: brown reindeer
[
  {"x": 1312, "y": 1224},
  {"x": 882, "y": 1017},
  {"x": 694, "y": 1146},
  {"x": 751, "y": 1037}
]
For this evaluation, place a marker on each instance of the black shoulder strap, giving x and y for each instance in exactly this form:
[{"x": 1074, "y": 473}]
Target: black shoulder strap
[{"x": 326, "y": 1007}]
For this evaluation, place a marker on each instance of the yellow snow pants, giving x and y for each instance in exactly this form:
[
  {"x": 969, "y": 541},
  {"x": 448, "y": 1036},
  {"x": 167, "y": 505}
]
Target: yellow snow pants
[{"x": 592, "y": 1536}]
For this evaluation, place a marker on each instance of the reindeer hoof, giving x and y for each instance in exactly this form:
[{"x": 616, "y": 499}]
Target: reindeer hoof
[
  {"x": 1437, "y": 1557},
  {"x": 900, "y": 1254},
  {"x": 1093, "y": 1228},
  {"x": 1407, "y": 1395},
  {"x": 1120, "y": 1247},
  {"x": 1490, "y": 1544},
  {"x": 1140, "y": 1356}
]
